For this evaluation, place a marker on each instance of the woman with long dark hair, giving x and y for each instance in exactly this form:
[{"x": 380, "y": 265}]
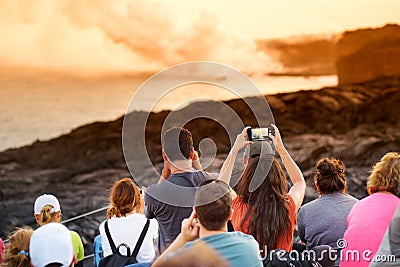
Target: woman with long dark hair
[{"x": 268, "y": 212}]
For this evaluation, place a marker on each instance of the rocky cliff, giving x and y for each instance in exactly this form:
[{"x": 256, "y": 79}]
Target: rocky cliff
[
  {"x": 367, "y": 54},
  {"x": 355, "y": 56},
  {"x": 356, "y": 123}
]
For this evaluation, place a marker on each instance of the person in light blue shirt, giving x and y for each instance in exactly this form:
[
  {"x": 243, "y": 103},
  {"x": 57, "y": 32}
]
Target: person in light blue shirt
[
  {"x": 238, "y": 248},
  {"x": 208, "y": 223}
]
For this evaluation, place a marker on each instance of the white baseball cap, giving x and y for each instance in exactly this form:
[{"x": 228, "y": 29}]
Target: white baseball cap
[
  {"x": 51, "y": 243},
  {"x": 44, "y": 200}
]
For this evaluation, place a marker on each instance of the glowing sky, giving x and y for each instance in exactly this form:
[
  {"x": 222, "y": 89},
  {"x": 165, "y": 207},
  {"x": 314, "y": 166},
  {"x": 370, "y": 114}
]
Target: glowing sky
[
  {"x": 152, "y": 34},
  {"x": 280, "y": 18}
]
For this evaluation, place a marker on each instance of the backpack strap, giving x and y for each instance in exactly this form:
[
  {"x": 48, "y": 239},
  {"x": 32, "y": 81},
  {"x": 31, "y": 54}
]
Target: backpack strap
[
  {"x": 141, "y": 238},
  {"x": 110, "y": 241}
]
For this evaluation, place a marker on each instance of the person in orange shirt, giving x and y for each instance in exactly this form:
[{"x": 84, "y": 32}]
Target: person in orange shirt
[{"x": 268, "y": 212}]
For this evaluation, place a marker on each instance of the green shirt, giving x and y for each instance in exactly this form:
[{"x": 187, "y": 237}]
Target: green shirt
[{"x": 78, "y": 246}]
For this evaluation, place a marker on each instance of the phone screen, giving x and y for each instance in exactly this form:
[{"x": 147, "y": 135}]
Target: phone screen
[{"x": 260, "y": 134}]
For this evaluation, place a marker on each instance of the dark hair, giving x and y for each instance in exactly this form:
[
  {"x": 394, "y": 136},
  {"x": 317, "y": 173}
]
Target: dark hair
[
  {"x": 215, "y": 213},
  {"x": 329, "y": 176},
  {"x": 177, "y": 143},
  {"x": 54, "y": 264},
  {"x": 267, "y": 214},
  {"x": 125, "y": 196}
]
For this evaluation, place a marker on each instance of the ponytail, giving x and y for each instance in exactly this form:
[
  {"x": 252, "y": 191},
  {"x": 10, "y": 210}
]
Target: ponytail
[
  {"x": 47, "y": 214},
  {"x": 18, "y": 248}
]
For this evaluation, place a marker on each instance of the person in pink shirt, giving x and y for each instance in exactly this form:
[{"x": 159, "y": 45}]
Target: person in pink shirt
[
  {"x": 370, "y": 217},
  {"x": 2, "y": 251}
]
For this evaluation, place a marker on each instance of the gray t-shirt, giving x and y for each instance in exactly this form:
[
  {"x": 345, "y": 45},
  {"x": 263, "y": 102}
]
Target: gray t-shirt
[
  {"x": 323, "y": 220},
  {"x": 172, "y": 201}
]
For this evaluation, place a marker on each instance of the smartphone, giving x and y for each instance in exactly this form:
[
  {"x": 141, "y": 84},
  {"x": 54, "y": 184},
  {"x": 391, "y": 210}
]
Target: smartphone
[{"x": 260, "y": 134}]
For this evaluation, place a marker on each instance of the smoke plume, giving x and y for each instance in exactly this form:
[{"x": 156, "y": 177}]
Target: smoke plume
[{"x": 118, "y": 35}]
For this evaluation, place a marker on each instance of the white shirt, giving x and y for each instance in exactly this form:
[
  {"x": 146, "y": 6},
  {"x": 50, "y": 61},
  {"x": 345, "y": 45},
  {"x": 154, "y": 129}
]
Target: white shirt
[{"x": 127, "y": 230}]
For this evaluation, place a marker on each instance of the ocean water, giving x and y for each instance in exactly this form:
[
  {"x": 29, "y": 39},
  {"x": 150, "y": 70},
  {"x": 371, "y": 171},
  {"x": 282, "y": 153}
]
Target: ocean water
[{"x": 40, "y": 105}]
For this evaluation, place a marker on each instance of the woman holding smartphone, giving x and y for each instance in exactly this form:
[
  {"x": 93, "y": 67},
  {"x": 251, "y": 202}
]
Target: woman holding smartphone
[{"x": 268, "y": 212}]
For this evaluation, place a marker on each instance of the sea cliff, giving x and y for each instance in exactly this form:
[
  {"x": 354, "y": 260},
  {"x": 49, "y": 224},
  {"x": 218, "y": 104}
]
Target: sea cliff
[{"x": 356, "y": 123}]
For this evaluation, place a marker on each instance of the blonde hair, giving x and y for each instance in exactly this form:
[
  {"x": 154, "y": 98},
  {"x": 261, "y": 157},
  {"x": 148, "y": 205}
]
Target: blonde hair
[
  {"x": 385, "y": 174},
  {"x": 47, "y": 215},
  {"x": 17, "y": 252}
]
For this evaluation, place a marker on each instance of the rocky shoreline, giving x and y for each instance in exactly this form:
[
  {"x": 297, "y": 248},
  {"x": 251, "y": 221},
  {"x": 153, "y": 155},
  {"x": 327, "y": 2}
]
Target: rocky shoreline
[{"x": 356, "y": 123}]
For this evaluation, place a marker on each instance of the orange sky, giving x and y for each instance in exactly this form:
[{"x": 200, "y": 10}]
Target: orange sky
[
  {"x": 152, "y": 34},
  {"x": 280, "y": 18}
]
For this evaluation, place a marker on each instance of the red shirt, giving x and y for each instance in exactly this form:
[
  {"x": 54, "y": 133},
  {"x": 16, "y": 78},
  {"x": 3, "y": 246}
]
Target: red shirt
[
  {"x": 2, "y": 251},
  {"x": 239, "y": 211}
]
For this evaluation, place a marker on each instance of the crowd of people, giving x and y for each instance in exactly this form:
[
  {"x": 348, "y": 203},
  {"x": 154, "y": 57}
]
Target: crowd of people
[{"x": 194, "y": 218}]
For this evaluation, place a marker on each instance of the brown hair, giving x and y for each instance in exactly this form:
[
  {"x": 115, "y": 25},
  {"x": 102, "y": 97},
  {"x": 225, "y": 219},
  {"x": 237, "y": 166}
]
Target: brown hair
[
  {"x": 329, "y": 176},
  {"x": 124, "y": 198},
  {"x": 267, "y": 213},
  {"x": 17, "y": 252},
  {"x": 215, "y": 213},
  {"x": 177, "y": 143},
  {"x": 385, "y": 174},
  {"x": 46, "y": 215},
  {"x": 199, "y": 255}
]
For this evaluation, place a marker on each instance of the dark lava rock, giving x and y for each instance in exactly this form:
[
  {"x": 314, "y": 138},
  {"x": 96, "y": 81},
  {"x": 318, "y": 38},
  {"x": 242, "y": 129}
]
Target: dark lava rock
[{"x": 355, "y": 123}]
